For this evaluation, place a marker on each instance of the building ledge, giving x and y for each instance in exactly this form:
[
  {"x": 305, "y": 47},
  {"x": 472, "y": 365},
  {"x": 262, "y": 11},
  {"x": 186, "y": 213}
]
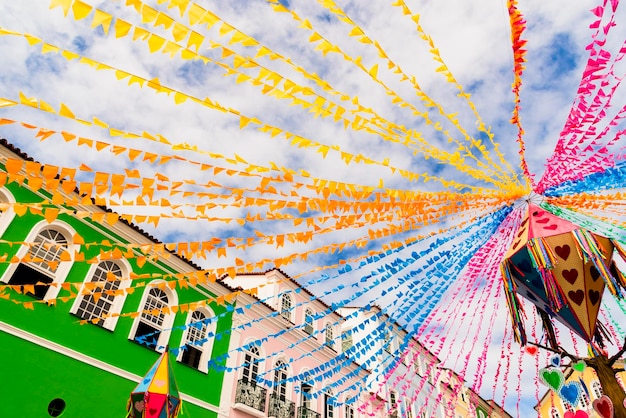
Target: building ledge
[{"x": 249, "y": 410}]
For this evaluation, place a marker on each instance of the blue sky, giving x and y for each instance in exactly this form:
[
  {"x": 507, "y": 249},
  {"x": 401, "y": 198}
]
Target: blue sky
[{"x": 472, "y": 38}]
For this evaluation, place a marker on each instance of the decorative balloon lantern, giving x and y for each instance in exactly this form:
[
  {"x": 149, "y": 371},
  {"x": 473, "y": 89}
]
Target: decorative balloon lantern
[
  {"x": 563, "y": 270},
  {"x": 156, "y": 396}
]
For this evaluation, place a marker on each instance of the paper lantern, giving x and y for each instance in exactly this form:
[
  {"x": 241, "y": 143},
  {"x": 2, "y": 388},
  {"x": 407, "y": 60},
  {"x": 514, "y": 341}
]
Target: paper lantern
[
  {"x": 156, "y": 396},
  {"x": 562, "y": 269}
]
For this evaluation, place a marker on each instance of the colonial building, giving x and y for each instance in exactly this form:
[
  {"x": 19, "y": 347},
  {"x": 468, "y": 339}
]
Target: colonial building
[
  {"x": 87, "y": 301},
  {"x": 460, "y": 401},
  {"x": 552, "y": 406},
  {"x": 286, "y": 354},
  {"x": 405, "y": 374}
]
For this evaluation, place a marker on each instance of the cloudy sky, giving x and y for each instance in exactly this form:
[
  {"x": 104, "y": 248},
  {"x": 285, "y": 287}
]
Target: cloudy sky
[{"x": 250, "y": 109}]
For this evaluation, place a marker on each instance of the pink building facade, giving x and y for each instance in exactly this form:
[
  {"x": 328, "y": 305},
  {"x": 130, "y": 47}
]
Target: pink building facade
[{"x": 285, "y": 358}]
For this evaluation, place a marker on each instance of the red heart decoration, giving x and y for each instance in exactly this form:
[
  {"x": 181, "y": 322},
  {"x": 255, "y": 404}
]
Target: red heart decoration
[
  {"x": 152, "y": 411},
  {"x": 542, "y": 221},
  {"x": 577, "y": 414},
  {"x": 577, "y": 297},
  {"x": 551, "y": 227},
  {"x": 531, "y": 349},
  {"x": 604, "y": 407},
  {"x": 594, "y": 296},
  {"x": 595, "y": 274},
  {"x": 562, "y": 251},
  {"x": 570, "y": 275}
]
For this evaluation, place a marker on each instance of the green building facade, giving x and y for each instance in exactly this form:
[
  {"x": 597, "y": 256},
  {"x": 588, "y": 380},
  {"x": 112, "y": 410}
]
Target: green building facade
[{"x": 83, "y": 314}]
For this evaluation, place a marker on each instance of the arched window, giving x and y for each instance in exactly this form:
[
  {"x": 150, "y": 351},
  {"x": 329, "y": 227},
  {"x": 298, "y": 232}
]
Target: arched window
[
  {"x": 46, "y": 260},
  {"x": 306, "y": 397},
  {"x": 393, "y": 404},
  {"x": 197, "y": 341},
  {"x": 596, "y": 387},
  {"x": 7, "y": 213},
  {"x": 329, "y": 404},
  {"x": 387, "y": 341},
  {"x": 250, "y": 365},
  {"x": 152, "y": 327},
  {"x": 349, "y": 412},
  {"x": 346, "y": 340},
  {"x": 585, "y": 403},
  {"x": 285, "y": 307},
  {"x": 408, "y": 410},
  {"x": 554, "y": 413},
  {"x": 101, "y": 297},
  {"x": 280, "y": 380},
  {"x": 329, "y": 336},
  {"x": 308, "y": 322}
]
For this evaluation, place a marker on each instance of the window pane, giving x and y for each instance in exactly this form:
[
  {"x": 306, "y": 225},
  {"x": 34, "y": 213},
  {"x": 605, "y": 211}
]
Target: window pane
[{"x": 98, "y": 304}]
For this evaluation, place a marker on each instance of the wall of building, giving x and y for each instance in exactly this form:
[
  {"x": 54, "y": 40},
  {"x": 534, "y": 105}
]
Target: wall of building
[{"x": 42, "y": 373}]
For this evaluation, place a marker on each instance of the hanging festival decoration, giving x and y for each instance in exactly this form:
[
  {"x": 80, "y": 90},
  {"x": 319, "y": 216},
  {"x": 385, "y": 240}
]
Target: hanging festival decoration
[
  {"x": 558, "y": 266},
  {"x": 156, "y": 396},
  {"x": 333, "y": 156}
]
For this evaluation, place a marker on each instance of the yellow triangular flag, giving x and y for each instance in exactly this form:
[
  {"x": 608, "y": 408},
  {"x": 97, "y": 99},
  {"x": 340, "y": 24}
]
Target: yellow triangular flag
[
  {"x": 102, "y": 18},
  {"x": 81, "y": 10}
]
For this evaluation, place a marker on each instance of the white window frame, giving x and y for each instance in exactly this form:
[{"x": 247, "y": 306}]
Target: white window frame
[
  {"x": 60, "y": 275},
  {"x": 329, "y": 335},
  {"x": 252, "y": 369},
  {"x": 7, "y": 213},
  {"x": 349, "y": 411},
  {"x": 346, "y": 339},
  {"x": 307, "y": 402},
  {"x": 309, "y": 323},
  {"x": 118, "y": 302},
  {"x": 168, "y": 321},
  {"x": 408, "y": 408},
  {"x": 207, "y": 347},
  {"x": 279, "y": 384},
  {"x": 585, "y": 402},
  {"x": 596, "y": 387},
  {"x": 286, "y": 313},
  {"x": 329, "y": 408}
]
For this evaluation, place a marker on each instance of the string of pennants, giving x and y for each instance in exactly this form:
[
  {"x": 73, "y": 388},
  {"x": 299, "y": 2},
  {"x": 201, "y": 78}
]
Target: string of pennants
[{"x": 582, "y": 173}]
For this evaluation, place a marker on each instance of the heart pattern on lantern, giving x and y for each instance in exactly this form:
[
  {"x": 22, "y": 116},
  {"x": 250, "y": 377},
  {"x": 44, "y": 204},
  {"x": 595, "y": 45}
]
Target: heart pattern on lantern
[
  {"x": 570, "y": 275},
  {"x": 595, "y": 274},
  {"x": 542, "y": 221},
  {"x": 139, "y": 405},
  {"x": 594, "y": 296},
  {"x": 576, "y": 296},
  {"x": 555, "y": 360},
  {"x": 551, "y": 227},
  {"x": 562, "y": 251},
  {"x": 604, "y": 407}
]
